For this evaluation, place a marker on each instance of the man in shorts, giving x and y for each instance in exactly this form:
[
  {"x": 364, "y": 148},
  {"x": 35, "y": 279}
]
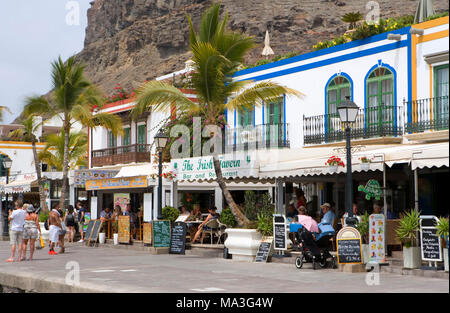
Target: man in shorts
[
  {"x": 54, "y": 221},
  {"x": 80, "y": 214},
  {"x": 17, "y": 219}
]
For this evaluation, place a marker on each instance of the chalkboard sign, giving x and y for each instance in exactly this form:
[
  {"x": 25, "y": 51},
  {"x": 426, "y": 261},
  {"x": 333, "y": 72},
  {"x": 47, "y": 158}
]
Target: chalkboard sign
[
  {"x": 95, "y": 231},
  {"x": 279, "y": 232},
  {"x": 349, "y": 251},
  {"x": 431, "y": 245},
  {"x": 263, "y": 251},
  {"x": 87, "y": 236},
  {"x": 178, "y": 238},
  {"x": 161, "y": 234}
]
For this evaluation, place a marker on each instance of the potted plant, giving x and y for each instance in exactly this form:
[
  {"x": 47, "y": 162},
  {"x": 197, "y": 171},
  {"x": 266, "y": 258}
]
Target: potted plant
[
  {"x": 227, "y": 218},
  {"x": 365, "y": 163},
  {"x": 363, "y": 227},
  {"x": 407, "y": 233},
  {"x": 170, "y": 213},
  {"x": 243, "y": 243},
  {"x": 333, "y": 163},
  {"x": 442, "y": 230}
]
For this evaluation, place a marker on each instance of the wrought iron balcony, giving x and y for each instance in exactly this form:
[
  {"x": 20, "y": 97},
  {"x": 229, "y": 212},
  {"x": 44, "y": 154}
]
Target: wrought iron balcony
[
  {"x": 386, "y": 121},
  {"x": 427, "y": 114},
  {"x": 259, "y": 137},
  {"x": 121, "y": 155}
]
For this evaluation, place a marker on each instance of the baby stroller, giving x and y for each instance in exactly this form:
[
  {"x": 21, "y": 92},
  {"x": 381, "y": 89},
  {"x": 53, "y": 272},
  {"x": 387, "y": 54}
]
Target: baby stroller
[{"x": 315, "y": 251}]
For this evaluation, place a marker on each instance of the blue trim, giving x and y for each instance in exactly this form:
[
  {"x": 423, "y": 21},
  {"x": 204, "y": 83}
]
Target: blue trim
[
  {"x": 326, "y": 93},
  {"x": 314, "y": 54},
  {"x": 381, "y": 64},
  {"x": 226, "y": 115},
  {"x": 347, "y": 57},
  {"x": 409, "y": 105}
]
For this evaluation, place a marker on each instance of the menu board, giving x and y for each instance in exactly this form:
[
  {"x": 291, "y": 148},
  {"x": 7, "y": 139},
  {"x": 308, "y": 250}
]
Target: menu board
[
  {"x": 161, "y": 234},
  {"x": 377, "y": 230},
  {"x": 87, "y": 236},
  {"x": 147, "y": 231},
  {"x": 95, "y": 230},
  {"x": 124, "y": 229},
  {"x": 349, "y": 251},
  {"x": 178, "y": 238},
  {"x": 279, "y": 232},
  {"x": 431, "y": 245},
  {"x": 264, "y": 250}
]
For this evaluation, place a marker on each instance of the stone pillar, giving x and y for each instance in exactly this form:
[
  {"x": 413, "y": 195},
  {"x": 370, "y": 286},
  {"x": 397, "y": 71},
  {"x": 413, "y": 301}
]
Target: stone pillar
[
  {"x": 279, "y": 195},
  {"x": 174, "y": 194},
  {"x": 218, "y": 199}
]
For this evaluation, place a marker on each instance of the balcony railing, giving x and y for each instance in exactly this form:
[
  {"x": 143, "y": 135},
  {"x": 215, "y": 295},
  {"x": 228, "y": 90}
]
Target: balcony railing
[
  {"x": 121, "y": 155},
  {"x": 427, "y": 114},
  {"x": 259, "y": 137},
  {"x": 376, "y": 122}
]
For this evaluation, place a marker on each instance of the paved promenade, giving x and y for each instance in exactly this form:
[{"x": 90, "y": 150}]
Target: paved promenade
[{"x": 118, "y": 270}]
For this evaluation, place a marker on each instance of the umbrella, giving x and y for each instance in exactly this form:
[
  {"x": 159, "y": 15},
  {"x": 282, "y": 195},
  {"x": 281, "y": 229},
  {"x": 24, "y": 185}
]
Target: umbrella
[
  {"x": 309, "y": 223},
  {"x": 267, "y": 49},
  {"x": 424, "y": 10}
]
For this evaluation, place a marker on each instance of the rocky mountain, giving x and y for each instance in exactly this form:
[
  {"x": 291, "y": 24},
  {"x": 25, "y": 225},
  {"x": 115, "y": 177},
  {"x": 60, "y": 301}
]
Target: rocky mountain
[{"x": 130, "y": 41}]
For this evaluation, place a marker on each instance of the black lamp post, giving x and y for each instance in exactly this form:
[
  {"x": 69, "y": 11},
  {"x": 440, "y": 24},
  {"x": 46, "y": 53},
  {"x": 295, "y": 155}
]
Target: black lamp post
[
  {"x": 161, "y": 141},
  {"x": 348, "y": 111},
  {"x": 7, "y": 163}
]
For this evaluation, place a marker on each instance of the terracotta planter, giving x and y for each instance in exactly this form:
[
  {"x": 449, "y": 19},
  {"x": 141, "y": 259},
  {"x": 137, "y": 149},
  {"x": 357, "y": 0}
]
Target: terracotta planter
[
  {"x": 242, "y": 244},
  {"x": 412, "y": 257}
]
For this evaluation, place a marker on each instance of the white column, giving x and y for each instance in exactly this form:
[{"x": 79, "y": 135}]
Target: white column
[
  {"x": 94, "y": 208},
  {"x": 155, "y": 203},
  {"x": 218, "y": 199},
  {"x": 148, "y": 205},
  {"x": 174, "y": 194},
  {"x": 72, "y": 195}
]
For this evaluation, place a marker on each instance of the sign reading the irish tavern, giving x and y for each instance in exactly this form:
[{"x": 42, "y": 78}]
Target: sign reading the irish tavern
[{"x": 203, "y": 167}]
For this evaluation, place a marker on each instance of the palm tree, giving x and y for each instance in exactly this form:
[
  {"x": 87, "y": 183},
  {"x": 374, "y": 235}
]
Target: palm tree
[
  {"x": 352, "y": 18},
  {"x": 53, "y": 153},
  {"x": 217, "y": 54},
  {"x": 26, "y": 133},
  {"x": 3, "y": 109},
  {"x": 73, "y": 99}
]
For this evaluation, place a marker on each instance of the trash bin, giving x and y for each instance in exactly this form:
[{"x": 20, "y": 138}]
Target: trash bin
[
  {"x": 116, "y": 239},
  {"x": 101, "y": 238}
]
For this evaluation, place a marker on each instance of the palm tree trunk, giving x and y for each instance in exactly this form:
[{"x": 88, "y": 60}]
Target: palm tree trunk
[
  {"x": 241, "y": 219},
  {"x": 38, "y": 174},
  {"x": 65, "y": 161}
]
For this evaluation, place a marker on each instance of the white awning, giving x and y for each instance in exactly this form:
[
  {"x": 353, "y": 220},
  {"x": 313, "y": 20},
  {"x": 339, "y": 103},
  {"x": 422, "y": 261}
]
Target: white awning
[
  {"x": 148, "y": 170},
  {"x": 432, "y": 156}
]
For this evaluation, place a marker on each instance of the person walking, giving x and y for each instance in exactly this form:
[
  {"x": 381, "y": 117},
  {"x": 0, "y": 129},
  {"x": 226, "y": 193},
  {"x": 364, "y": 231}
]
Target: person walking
[
  {"x": 81, "y": 220},
  {"x": 63, "y": 231},
  {"x": 54, "y": 222},
  {"x": 69, "y": 221},
  {"x": 31, "y": 231},
  {"x": 17, "y": 219}
]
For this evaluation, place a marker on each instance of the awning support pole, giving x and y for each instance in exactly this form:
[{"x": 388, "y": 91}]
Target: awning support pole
[
  {"x": 416, "y": 190},
  {"x": 384, "y": 189}
]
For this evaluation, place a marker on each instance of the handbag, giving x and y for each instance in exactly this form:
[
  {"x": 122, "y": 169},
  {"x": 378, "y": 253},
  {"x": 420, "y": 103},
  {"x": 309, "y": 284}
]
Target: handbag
[{"x": 42, "y": 243}]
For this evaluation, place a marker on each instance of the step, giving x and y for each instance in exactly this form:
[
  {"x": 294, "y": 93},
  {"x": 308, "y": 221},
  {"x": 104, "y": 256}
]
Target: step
[{"x": 415, "y": 272}]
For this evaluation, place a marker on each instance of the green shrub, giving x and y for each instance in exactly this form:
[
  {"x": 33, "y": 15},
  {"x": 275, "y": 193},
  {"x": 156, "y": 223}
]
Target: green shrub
[
  {"x": 250, "y": 209},
  {"x": 170, "y": 213},
  {"x": 265, "y": 224},
  {"x": 227, "y": 218},
  {"x": 442, "y": 227},
  {"x": 43, "y": 216},
  {"x": 363, "y": 227},
  {"x": 409, "y": 225},
  {"x": 435, "y": 16}
]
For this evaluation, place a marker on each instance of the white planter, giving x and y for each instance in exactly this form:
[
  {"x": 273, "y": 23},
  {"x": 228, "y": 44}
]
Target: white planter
[
  {"x": 365, "y": 253},
  {"x": 101, "y": 238},
  {"x": 446, "y": 259},
  {"x": 365, "y": 166},
  {"x": 412, "y": 257},
  {"x": 116, "y": 239},
  {"x": 242, "y": 244},
  {"x": 44, "y": 232},
  {"x": 332, "y": 168}
]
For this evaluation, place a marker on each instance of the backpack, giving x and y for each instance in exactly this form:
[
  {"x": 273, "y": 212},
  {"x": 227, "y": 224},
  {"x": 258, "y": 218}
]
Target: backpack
[
  {"x": 46, "y": 224},
  {"x": 70, "y": 218}
]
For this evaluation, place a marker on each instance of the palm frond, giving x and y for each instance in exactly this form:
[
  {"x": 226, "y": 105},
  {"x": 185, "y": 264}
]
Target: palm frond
[{"x": 3, "y": 109}]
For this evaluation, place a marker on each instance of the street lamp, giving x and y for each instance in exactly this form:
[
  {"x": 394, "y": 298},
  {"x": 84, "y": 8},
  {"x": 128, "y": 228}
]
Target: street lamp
[
  {"x": 348, "y": 111},
  {"x": 7, "y": 163},
  {"x": 161, "y": 141}
]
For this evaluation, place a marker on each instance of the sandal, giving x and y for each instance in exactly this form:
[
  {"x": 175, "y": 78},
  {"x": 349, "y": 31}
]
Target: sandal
[{"x": 9, "y": 260}]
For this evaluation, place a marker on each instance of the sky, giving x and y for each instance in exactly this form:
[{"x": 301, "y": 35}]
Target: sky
[{"x": 32, "y": 35}]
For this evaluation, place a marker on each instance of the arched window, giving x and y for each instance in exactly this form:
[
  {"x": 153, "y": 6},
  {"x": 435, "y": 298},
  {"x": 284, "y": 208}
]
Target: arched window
[
  {"x": 338, "y": 89},
  {"x": 380, "y": 110}
]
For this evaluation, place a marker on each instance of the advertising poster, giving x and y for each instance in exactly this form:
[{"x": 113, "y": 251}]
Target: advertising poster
[
  {"x": 122, "y": 200},
  {"x": 377, "y": 230}
]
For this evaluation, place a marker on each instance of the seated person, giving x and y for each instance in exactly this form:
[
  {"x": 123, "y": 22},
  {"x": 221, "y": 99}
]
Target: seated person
[
  {"x": 291, "y": 211},
  {"x": 133, "y": 220},
  {"x": 211, "y": 216},
  {"x": 355, "y": 214},
  {"x": 105, "y": 215},
  {"x": 196, "y": 214},
  {"x": 328, "y": 214},
  {"x": 377, "y": 209},
  {"x": 183, "y": 210}
]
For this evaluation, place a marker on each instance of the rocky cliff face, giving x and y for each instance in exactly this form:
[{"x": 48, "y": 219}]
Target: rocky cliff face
[{"x": 130, "y": 41}]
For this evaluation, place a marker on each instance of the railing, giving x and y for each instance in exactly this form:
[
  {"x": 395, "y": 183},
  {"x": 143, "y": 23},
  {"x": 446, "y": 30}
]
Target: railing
[
  {"x": 386, "y": 121},
  {"x": 259, "y": 137},
  {"x": 427, "y": 114},
  {"x": 121, "y": 155}
]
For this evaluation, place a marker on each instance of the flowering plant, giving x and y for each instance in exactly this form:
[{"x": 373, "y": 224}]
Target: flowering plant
[
  {"x": 335, "y": 161},
  {"x": 168, "y": 175},
  {"x": 120, "y": 94},
  {"x": 365, "y": 159}
]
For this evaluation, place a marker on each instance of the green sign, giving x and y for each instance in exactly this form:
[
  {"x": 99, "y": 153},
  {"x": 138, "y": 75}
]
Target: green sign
[
  {"x": 161, "y": 234},
  {"x": 372, "y": 189}
]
